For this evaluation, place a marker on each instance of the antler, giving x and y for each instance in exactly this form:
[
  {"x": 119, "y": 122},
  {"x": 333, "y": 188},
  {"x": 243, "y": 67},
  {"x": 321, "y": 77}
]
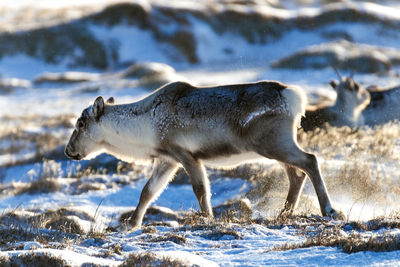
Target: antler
[{"x": 337, "y": 73}]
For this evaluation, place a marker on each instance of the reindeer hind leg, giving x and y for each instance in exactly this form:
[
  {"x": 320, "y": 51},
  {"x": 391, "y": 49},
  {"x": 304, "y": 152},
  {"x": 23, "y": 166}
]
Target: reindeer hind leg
[
  {"x": 296, "y": 184},
  {"x": 280, "y": 145}
]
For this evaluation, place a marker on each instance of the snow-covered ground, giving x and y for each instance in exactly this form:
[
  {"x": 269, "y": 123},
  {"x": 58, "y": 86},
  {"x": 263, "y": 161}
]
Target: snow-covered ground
[{"x": 79, "y": 205}]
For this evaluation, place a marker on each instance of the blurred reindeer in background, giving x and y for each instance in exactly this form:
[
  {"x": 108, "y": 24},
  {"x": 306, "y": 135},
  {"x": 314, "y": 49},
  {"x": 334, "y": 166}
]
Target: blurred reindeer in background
[
  {"x": 351, "y": 100},
  {"x": 384, "y": 106}
]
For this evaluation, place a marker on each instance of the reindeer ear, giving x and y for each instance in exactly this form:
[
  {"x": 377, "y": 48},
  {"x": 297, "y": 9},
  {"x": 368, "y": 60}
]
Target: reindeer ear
[
  {"x": 334, "y": 84},
  {"x": 110, "y": 100},
  {"x": 98, "y": 107}
]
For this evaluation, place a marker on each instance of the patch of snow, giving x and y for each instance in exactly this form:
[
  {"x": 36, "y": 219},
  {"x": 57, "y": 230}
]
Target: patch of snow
[
  {"x": 71, "y": 257},
  {"x": 384, "y": 12},
  {"x": 187, "y": 258},
  {"x": 32, "y": 245},
  {"x": 133, "y": 43},
  {"x": 25, "y": 67}
]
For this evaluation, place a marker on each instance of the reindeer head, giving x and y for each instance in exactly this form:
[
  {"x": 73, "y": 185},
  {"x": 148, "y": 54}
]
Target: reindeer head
[
  {"x": 87, "y": 138},
  {"x": 351, "y": 97}
]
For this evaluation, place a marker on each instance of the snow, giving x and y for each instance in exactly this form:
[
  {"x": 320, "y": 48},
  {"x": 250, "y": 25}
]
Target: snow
[
  {"x": 130, "y": 49},
  {"x": 188, "y": 258},
  {"x": 76, "y": 259},
  {"x": 55, "y": 4},
  {"x": 113, "y": 200},
  {"x": 11, "y": 66},
  {"x": 385, "y": 12},
  {"x": 223, "y": 59}
]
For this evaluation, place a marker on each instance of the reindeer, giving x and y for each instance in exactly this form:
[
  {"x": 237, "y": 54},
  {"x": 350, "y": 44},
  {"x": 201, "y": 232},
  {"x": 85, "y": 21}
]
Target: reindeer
[
  {"x": 181, "y": 125},
  {"x": 384, "y": 106},
  {"x": 351, "y": 100}
]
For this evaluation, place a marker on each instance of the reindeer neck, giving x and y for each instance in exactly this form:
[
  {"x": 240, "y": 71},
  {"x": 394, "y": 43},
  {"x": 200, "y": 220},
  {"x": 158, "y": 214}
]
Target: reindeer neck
[
  {"x": 127, "y": 132},
  {"x": 124, "y": 121},
  {"x": 350, "y": 112}
]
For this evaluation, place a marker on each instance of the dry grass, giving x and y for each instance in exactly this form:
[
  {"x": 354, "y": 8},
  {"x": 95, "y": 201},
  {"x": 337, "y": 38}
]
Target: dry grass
[
  {"x": 195, "y": 219},
  {"x": 42, "y": 185},
  {"x": 66, "y": 225},
  {"x": 150, "y": 259},
  {"x": 302, "y": 223},
  {"x": 149, "y": 229},
  {"x": 348, "y": 243},
  {"x": 61, "y": 220},
  {"x": 212, "y": 229},
  {"x": 56, "y": 229},
  {"x": 370, "y": 144},
  {"x": 28, "y": 229},
  {"x": 103, "y": 165},
  {"x": 33, "y": 259},
  {"x": 46, "y": 182},
  {"x": 352, "y": 236},
  {"x": 234, "y": 211},
  {"x": 362, "y": 182},
  {"x": 179, "y": 239},
  {"x": 222, "y": 233},
  {"x": 18, "y": 137}
]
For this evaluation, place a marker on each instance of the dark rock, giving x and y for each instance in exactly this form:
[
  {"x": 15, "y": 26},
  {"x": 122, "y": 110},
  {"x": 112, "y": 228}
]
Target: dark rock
[
  {"x": 343, "y": 55},
  {"x": 66, "y": 77}
]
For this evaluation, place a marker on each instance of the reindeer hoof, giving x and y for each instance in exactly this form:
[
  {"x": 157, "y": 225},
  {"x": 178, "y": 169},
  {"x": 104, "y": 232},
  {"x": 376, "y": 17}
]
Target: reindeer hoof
[
  {"x": 285, "y": 214},
  {"x": 336, "y": 215},
  {"x": 129, "y": 225},
  {"x": 126, "y": 227}
]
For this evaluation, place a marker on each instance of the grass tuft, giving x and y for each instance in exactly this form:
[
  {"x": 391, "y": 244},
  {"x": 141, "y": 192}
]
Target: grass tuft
[
  {"x": 179, "y": 239},
  {"x": 33, "y": 259},
  {"x": 42, "y": 185},
  {"x": 348, "y": 243},
  {"x": 150, "y": 259},
  {"x": 366, "y": 142}
]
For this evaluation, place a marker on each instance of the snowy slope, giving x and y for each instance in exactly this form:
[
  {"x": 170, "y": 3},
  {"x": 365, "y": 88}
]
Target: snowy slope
[{"x": 53, "y": 206}]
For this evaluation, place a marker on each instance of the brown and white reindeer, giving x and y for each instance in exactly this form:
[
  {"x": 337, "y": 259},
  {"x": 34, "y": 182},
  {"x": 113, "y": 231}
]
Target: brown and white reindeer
[
  {"x": 181, "y": 125},
  {"x": 351, "y": 100}
]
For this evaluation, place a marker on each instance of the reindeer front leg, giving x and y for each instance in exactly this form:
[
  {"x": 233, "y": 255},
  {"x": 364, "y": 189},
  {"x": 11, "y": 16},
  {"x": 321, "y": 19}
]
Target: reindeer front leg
[{"x": 163, "y": 170}]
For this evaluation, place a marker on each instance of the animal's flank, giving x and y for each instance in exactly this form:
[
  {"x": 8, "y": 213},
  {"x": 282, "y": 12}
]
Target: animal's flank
[
  {"x": 180, "y": 106},
  {"x": 215, "y": 151}
]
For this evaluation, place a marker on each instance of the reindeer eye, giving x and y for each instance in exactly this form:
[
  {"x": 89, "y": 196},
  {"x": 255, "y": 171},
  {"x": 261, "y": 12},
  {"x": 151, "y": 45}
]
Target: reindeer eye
[
  {"x": 350, "y": 85},
  {"x": 81, "y": 124}
]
